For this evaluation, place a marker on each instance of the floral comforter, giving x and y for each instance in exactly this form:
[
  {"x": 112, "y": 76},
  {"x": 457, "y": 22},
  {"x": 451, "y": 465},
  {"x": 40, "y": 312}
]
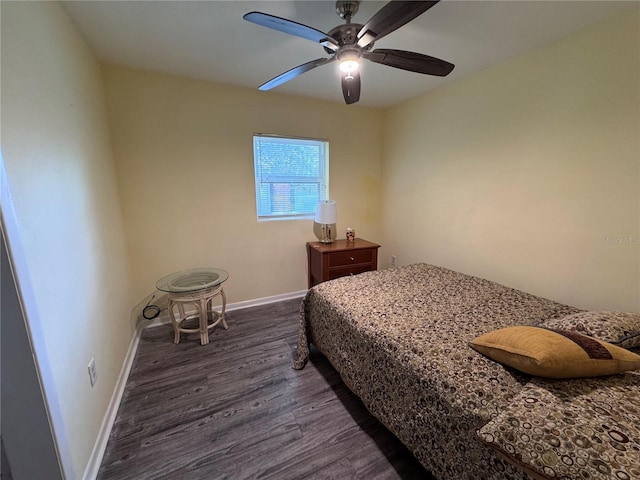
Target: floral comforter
[{"x": 399, "y": 339}]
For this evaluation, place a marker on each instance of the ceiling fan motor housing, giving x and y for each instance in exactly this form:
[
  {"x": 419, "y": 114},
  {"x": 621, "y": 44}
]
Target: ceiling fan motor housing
[{"x": 346, "y": 34}]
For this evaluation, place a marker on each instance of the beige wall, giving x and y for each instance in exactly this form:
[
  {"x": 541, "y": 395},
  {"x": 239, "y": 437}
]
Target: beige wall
[
  {"x": 60, "y": 171},
  {"x": 528, "y": 173},
  {"x": 184, "y": 158}
]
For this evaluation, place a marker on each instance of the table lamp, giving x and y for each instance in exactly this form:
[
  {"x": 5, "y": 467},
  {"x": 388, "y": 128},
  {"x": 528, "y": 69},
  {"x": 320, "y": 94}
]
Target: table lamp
[{"x": 326, "y": 215}]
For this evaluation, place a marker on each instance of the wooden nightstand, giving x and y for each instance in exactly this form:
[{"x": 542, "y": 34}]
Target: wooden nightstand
[{"x": 340, "y": 258}]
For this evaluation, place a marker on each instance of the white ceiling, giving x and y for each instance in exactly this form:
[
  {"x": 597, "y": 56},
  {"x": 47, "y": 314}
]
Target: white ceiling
[{"x": 209, "y": 40}]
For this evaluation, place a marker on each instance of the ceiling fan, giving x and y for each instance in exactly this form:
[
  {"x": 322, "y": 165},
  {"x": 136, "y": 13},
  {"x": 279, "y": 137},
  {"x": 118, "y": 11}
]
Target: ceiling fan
[{"x": 350, "y": 42}]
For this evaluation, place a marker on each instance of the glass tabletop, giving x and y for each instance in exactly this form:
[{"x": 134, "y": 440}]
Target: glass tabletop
[{"x": 192, "y": 280}]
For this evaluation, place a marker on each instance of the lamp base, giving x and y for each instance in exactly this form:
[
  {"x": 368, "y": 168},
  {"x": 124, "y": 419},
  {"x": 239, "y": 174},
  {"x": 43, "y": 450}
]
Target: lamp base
[{"x": 325, "y": 232}]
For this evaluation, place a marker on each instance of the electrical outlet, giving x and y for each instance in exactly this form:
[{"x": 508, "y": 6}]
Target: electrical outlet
[
  {"x": 393, "y": 260},
  {"x": 93, "y": 373}
]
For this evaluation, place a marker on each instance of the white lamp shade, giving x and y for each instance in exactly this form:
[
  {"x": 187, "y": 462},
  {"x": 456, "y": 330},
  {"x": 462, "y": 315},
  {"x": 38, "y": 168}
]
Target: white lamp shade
[{"x": 326, "y": 212}]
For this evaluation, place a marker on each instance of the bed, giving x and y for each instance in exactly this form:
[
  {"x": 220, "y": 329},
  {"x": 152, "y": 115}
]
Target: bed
[{"x": 400, "y": 340}]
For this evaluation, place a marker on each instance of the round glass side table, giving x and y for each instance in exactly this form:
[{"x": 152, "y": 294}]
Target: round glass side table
[{"x": 198, "y": 287}]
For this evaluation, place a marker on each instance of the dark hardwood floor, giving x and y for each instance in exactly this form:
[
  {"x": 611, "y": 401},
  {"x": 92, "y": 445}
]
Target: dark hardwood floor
[{"x": 236, "y": 409}]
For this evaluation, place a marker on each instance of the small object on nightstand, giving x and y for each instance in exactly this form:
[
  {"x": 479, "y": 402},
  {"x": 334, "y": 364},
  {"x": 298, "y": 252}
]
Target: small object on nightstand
[
  {"x": 351, "y": 235},
  {"x": 339, "y": 259}
]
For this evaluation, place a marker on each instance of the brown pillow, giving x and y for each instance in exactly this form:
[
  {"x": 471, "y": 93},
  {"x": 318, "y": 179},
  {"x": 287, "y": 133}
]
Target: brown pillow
[
  {"x": 554, "y": 353},
  {"x": 619, "y": 328}
]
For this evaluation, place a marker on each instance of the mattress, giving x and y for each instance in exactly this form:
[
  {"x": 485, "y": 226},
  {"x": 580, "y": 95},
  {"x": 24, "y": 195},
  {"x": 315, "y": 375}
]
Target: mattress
[{"x": 399, "y": 339}]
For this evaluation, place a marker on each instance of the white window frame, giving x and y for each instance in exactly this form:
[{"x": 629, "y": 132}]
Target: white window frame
[{"x": 322, "y": 180}]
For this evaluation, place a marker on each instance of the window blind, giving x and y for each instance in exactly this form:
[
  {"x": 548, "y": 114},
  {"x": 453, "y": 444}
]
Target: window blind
[{"x": 291, "y": 176}]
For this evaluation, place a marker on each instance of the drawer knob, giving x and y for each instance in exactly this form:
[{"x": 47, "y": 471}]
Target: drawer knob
[{"x": 353, "y": 259}]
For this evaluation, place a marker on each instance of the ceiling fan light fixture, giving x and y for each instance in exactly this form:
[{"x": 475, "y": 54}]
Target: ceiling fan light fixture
[
  {"x": 349, "y": 65},
  {"x": 348, "y": 60}
]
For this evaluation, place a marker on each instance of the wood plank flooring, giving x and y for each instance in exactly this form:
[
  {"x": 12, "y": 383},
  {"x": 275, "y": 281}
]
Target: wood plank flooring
[{"x": 235, "y": 409}]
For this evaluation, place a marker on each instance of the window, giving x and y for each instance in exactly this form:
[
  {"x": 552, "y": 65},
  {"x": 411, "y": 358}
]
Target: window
[{"x": 292, "y": 176}]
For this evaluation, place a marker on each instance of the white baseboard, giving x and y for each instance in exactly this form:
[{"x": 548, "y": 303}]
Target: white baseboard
[
  {"x": 266, "y": 300},
  {"x": 95, "y": 460},
  {"x": 97, "y": 454}
]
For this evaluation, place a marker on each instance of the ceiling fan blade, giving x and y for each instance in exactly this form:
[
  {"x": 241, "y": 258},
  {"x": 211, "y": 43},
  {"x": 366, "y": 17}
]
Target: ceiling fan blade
[
  {"x": 351, "y": 87},
  {"x": 389, "y": 18},
  {"x": 294, "y": 72},
  {"x": 411, "y": 61},
  {"x": 291, "y": 27}
]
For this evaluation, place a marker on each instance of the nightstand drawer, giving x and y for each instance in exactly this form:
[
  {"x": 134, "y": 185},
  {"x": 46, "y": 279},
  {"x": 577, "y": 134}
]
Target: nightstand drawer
[
  {"x": 343, "y": 272},
  {"x": 339, "y": 259},
  {"x": 354, "y": 257}
]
